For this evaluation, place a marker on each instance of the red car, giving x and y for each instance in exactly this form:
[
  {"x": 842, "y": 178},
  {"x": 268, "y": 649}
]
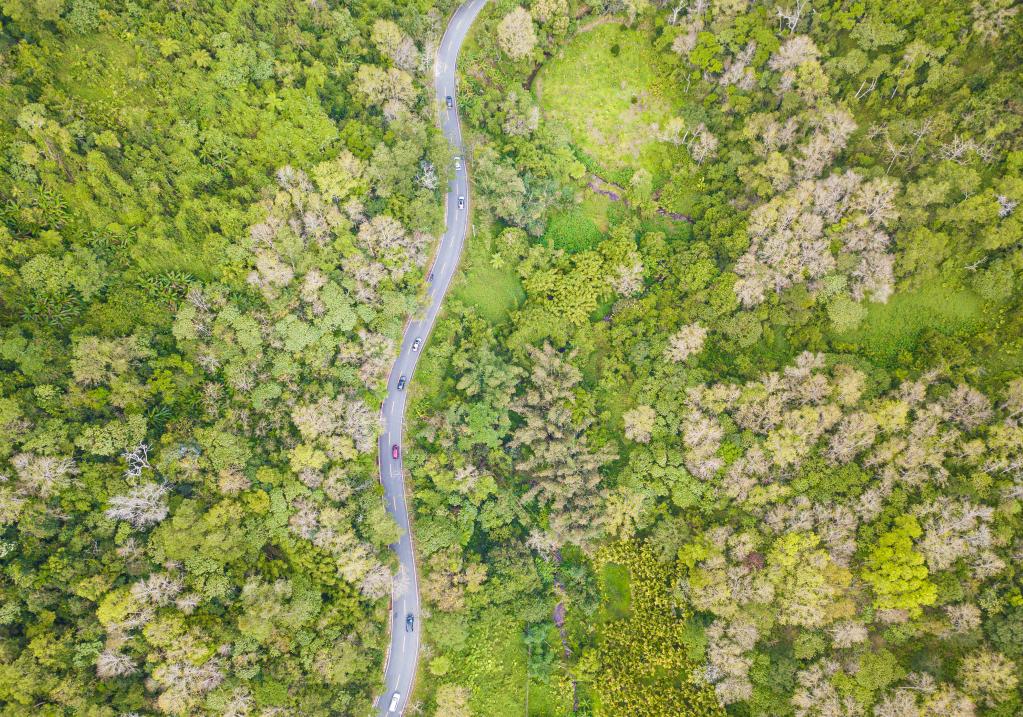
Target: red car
[{"x": 395, "y": 451}]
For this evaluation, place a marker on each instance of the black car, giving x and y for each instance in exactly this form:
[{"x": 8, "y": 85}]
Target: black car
[
  {"x": 450, "y": 102},
  {"x": 401, "y": 383},
  {"x": 410, "y": 623}
]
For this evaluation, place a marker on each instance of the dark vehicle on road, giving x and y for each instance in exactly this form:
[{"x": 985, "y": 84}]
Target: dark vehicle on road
[
  {"x": 401, "y": 383},
  {"x": 450, "y": 102},
  {"x": 410, "y": 622},
  {"x": 395, "y": 451}
]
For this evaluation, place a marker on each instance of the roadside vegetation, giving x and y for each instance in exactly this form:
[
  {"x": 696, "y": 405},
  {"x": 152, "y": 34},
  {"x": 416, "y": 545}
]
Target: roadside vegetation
[
  {"x": 491, "y": 283},
  {"x": 748, "y": 442}
]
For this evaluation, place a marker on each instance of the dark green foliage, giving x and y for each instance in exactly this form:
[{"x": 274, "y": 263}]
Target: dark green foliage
[{"x": 572, "y": 231}]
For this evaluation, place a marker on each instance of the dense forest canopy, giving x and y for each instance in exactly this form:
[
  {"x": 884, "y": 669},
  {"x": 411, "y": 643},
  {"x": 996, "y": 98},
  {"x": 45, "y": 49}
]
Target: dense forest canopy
[
  {"x": 726, "y": 417},
  {"x": 214, "y": 220}
]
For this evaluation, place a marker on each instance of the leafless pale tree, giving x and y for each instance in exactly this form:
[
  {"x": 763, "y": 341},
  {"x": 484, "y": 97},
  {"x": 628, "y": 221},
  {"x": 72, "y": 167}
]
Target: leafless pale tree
[
  {"x": 1006, "y": 205},
  {"x": 43, "y": 476},
  {"x": 137, "y": 459},
  {"x": 685, "y": 342},
  {"x": 790, "y": 17},
  {"x": 848, "y": 633},
  {"x": 427, "y": 178},
  {"x": 158, "y": 589},
  {"x": 113, "y": 663},
  {"x": 142, "y": 506},
  {"x": 957, "y": 149}
]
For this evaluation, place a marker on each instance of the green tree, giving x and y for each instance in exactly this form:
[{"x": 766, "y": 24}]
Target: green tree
[{"x": 897, "y": 572}]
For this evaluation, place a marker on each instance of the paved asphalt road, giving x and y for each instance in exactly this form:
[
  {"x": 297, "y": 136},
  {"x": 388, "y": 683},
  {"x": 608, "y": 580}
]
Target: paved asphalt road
[{"x": 403, "y": 655}]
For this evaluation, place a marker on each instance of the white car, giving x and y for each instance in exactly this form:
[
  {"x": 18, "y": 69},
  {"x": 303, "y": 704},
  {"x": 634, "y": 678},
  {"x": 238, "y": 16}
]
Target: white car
[
  {"x": 416, "y": 344},
  {"x": 458, "y": 164},
  {"x": 461, "y": 202},
  {"x": 395, "y": 699}
]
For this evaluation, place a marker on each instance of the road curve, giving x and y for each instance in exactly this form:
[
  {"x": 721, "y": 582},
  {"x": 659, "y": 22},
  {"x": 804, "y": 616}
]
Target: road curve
[{"x": 403, "y": 653}]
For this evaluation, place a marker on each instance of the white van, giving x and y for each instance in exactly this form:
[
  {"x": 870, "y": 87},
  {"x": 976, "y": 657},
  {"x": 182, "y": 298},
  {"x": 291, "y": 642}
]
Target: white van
[{"x": 395, "y": 698}]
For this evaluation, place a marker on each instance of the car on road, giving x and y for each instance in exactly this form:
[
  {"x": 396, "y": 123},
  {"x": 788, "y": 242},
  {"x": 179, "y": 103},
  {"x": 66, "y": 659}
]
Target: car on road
[
  {"x": 410, "y": 622},
  {"x": 458, "y": 164},
  {"x": 401, "y": 382},
  {"x": 395, "y": 699},
  {"x": 449, "y": 102},
  {"x": 416, "y": 344},
  {"x": 395, "y": 451},
  {"x": 461, "y": 202}
]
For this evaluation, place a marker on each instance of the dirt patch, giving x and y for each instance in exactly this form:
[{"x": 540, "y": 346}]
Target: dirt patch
[
  {"x": 598, "y": 21},
  {"x": 528, "y": 84}
]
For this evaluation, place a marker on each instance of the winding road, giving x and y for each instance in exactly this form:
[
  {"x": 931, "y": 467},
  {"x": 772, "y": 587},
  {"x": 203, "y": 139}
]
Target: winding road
[{"x": 403, "y": 653}]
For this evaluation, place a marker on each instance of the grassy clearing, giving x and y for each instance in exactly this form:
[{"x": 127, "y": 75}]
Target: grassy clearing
[
  {"x": 1003, "y": 358},
  {"x": 493, "y": 290},
  {"x": 492, "y": 664},
  {"x": 609, "y": 101},
  {"x": 105, "y": 75},
  {"x": 595, "y": 206},
  {"x": 614, "y": 581},
  {"x": 894, "y": 328}
]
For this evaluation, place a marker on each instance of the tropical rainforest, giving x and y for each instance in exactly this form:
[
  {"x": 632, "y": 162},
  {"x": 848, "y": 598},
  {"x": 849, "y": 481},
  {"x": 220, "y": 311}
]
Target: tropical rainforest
[
  {"x": 214, "y": 220},
  {"x": 724, "y": 415}
]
